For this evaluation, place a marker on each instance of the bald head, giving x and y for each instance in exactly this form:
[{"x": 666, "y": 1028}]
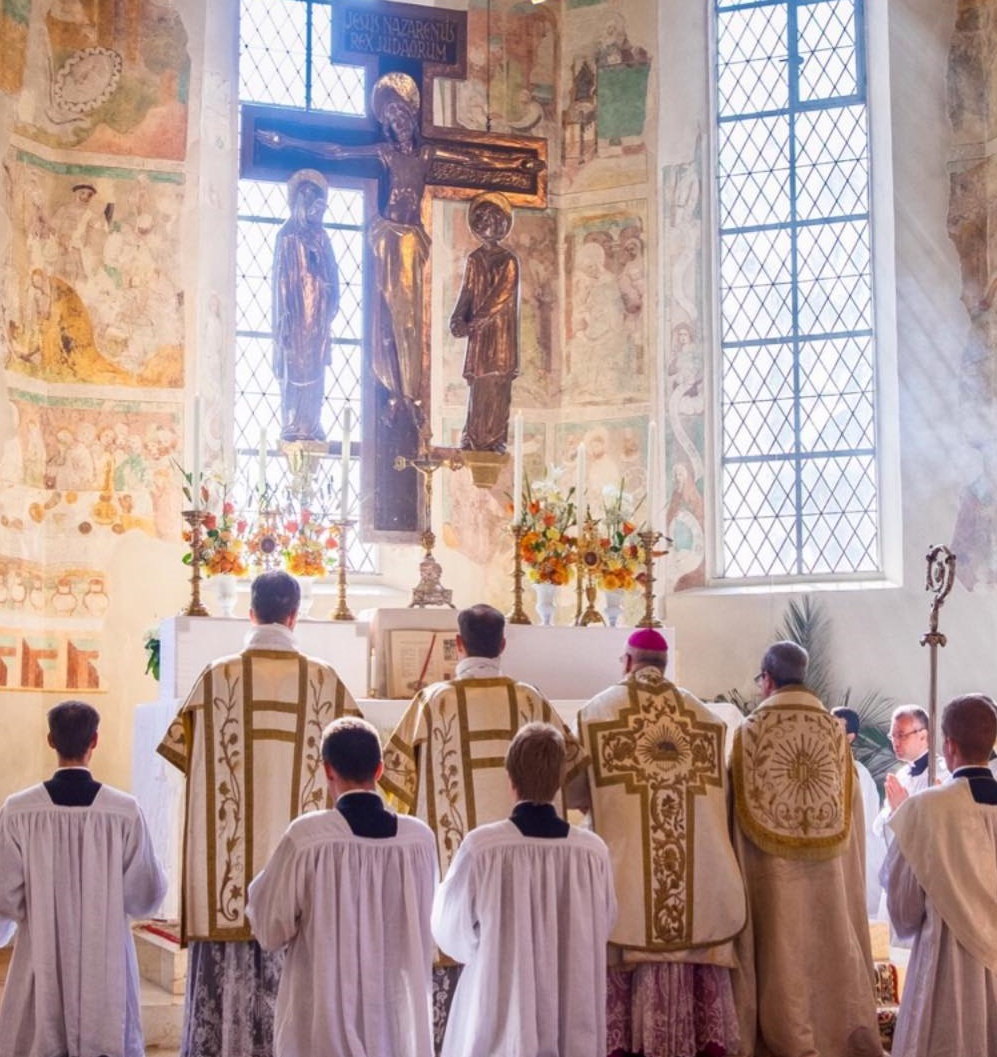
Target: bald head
[{"x": 969, "y": 727}]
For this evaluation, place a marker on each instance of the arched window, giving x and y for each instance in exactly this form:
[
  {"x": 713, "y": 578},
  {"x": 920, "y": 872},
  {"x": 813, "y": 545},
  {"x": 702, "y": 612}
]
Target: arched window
[
  {"x": 284, "y": 61},
  {"x": 799, "y": 489}
]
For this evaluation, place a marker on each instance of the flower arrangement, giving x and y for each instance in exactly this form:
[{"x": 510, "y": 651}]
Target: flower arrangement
[
  {"x": 223, "y": 547},
  {"x": 621, "y": 564},
  {"x": 545, "y": 547},
  {"x": 307, "y": 545},
  {"x": 151, "y": 645}
]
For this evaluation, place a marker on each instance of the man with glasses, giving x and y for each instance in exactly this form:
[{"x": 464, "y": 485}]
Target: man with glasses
[{"x": 909, "y": 735}]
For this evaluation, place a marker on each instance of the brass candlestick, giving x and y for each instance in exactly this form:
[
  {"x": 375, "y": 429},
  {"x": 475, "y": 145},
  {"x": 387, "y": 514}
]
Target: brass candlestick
[
  {"x": 588, "y": 564},
  {"x": 518, "y": 614},
  {"x": 196, "y": 519},
  {"x": 342, "y": 611},
  {"x": 648, "y": 538}
]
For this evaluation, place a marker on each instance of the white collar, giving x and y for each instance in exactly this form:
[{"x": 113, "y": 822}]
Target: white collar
[
  {"x": 478, "y": 668},
  {"x": 270, "y": 637}
]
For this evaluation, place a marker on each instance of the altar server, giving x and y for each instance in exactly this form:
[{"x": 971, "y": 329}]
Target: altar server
[
  {"x": 248, "y": 741},
  {"x": 350, "y": 891},
  {"x": 76, "y": 861},
  {"x": 941, "y": 881},
  {"x": 805, "y": 984},
  {"x": 657, "y": 784},
  {"x": 469, "y": 721},
  {"x": 527, "y": 907}
]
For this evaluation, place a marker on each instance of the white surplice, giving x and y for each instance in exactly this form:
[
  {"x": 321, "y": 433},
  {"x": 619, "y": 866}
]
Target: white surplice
[
  {"x": 355, "y": 913},
  {"x": 941, "y": 880},
  {"x": 70, "y": 877},
  {"x": 529, "y": 917},
  {"x": 875, "y": 845}
]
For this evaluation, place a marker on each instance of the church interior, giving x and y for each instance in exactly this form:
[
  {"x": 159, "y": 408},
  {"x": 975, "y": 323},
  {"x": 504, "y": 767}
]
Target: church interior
[{"x": 135, "y": 345}]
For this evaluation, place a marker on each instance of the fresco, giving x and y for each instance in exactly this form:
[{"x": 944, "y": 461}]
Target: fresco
[
  {"x": 615, "y": 454},
  {"x": 685, "y": 387},
  {"x": 91, "y": 469},
  {"x": 99, "y": 75},
  {"x": 605, "y": 115},
  {"x": 51, "y": 661},
  {"x": 605, "y": 292},
  {"x": 971, "y": 230},
  {"x": 99, "y": 245}
]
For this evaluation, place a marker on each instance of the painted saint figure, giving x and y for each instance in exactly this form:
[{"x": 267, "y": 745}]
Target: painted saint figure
[
  {"x": 305, "y": 302},
  {"x": 487, "y": 314},
  {"x": 397, "y": 237}
]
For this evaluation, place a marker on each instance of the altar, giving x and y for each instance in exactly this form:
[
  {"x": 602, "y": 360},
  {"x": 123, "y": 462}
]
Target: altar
[{"x": 385, "y": 649}]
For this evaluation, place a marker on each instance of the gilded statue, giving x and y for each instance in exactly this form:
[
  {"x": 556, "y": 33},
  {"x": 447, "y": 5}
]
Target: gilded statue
[
  {"x": 305, "y": 302},
  {"x": 397, "y": 238},
  {"x": 487, "y": 314}
]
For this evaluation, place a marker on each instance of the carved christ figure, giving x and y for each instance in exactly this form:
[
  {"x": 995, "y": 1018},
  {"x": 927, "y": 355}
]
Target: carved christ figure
[{"x": 399, "y": 242}]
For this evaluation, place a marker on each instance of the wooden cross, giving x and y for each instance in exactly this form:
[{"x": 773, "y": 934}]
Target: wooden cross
[
  {"x": 666, "y": 757},
  {"x": 424, "y": 43}
]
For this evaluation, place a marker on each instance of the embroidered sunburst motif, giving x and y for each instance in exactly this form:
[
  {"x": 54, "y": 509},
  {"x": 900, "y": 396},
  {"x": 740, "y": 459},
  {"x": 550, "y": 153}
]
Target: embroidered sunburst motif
[{"x": 805, "y": 769}]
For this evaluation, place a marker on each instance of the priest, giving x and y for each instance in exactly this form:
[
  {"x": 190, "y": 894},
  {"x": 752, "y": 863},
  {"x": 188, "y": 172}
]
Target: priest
[
  {"x": 350, "y": 891},
  {"x": 941, "y": 879},
  {"x": 527, "y": 907},
  {"x": 444, "y": 761},
  {"x": 248, "y": 741},
  {"x": 657, "y": 786},
  {"x": 805, "y": 979},
  {"x": 76, "y": 861}
]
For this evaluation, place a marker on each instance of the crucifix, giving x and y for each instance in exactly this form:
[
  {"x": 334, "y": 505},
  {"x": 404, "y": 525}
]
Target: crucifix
[
  {"x": 402, "y": 160},
  {"x": 675, "y": 751}
]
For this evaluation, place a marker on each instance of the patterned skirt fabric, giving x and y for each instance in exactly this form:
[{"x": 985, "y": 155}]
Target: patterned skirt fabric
[
  {"x": 445, "y": 979},
  {"x": 231, "y": 995},
  {"x": 665, "y": 1009}
]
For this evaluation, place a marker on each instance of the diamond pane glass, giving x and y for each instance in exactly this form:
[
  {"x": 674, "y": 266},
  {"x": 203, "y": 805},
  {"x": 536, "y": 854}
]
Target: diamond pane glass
[
  {"x": 284, "y": 60},
  {"x": 796, "y": 310}
]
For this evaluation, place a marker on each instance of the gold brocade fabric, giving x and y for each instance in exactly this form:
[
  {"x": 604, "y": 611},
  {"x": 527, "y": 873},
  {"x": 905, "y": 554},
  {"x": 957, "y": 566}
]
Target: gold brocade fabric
[
  {"x": 248, "y": 739},
  {"x": 445, "y": 761},
  {"x": 792, "y": 777},
  {"x": 658, "y": 790}
]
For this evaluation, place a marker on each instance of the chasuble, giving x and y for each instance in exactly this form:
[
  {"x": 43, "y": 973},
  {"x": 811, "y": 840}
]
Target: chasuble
[
  {"x": 941, "y": 880},
  {"x": 248, "y": 739},
  {"x": 805, "y": 984},
  {"x": 70, "y": 877},
  {"x": 445, "y": 761},
  {"x": 658, "y": 789}
]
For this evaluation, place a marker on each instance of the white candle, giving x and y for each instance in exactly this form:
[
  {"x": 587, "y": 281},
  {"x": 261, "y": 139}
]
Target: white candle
[
  {"x": 652, "y": 471},
  {"x": 344, "y": 491},
  {"x": 261, "y": 477},
  {"x": 580, "y": 503},
  {"x": 517, "y": 468},
  {"x": 195, "y": 471}
]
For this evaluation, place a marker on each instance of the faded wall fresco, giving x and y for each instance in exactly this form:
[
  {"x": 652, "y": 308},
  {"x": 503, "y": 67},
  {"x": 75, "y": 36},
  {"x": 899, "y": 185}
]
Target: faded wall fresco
[
  {"x": 93, "y": 127},
  {"x": 100, "y": 248},
  {"x": 98, "y": 75},
  {"x": 972, "y": 227},
  {"x": 604, "y": 253},
  {"x": 685, "y": 384}
]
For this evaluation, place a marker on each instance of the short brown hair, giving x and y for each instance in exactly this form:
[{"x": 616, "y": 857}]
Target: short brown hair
[
  {"x": 535, "y": 762},
  {"x": 970, "y": 722},
  {"x": 72, "y": 726},
  {"x": 351, "y": 747}
]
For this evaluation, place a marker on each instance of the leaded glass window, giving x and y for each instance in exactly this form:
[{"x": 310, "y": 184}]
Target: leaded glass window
[
  {"x": 284, "y": 61},
  {"x": 798, "y": 490}
]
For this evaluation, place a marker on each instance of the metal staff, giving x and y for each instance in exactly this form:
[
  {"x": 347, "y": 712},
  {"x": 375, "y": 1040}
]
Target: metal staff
[{"x": 940, "y": 577}]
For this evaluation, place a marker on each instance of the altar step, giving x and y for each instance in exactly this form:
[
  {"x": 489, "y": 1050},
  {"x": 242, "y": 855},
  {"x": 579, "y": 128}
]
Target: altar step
[{"x": 162, "y": 966}]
